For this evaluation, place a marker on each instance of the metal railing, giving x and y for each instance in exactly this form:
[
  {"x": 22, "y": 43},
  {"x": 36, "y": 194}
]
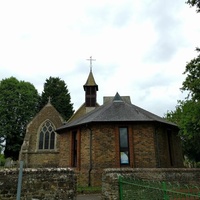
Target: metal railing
[{"x": 135, "y": 189}]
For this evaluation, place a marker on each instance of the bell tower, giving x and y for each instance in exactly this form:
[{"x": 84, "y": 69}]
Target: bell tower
[{"x": 90, "y": 89}]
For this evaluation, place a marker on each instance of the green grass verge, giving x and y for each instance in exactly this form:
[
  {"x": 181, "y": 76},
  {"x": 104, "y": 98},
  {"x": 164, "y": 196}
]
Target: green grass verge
[{"x": 88, "y": 189}]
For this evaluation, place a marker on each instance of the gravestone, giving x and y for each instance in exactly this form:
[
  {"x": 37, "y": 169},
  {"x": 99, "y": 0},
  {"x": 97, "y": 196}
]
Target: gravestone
[{"x": 10, "y": 163}]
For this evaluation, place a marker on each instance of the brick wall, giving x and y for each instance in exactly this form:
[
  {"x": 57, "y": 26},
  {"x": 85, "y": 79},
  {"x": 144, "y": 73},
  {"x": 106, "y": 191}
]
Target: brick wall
[
  {"x": 162, "y": 148},
  {"x": 148, "y": 147},
  {"x": 65, "y": 150},
  {"x": 162, "y": 151},
  {"x": 178, "y": 155},
  {"x": 38, "y": 184},
  {"x": 144, "y": 146},
  {"x": 110, "y": 184}
]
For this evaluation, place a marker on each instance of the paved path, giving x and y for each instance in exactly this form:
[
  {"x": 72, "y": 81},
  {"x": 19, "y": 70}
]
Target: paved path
[{"x": 88, "y": 197}]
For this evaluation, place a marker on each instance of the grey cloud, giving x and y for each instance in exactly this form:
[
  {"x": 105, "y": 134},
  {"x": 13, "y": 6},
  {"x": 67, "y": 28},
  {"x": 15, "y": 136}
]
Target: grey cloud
[
  {"x": 157, "y": 80},
  {"x": 106, "y": 15},
  {"x": 123, "y": 16},
  {"x": 112, "y": 15},
  {"x": 164, "y": 16}
]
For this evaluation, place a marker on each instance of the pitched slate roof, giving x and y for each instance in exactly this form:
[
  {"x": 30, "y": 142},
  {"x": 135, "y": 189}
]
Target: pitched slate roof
[
  {"x": 80, "y": 112},
  {"x": 116, "y": 111}
]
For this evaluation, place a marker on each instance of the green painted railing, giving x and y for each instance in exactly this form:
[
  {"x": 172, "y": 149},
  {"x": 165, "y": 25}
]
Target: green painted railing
[{"x": 134, "y": 189}]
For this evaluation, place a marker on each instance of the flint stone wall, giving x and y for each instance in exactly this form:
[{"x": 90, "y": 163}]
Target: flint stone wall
[
  {"x": 38, "y": 184},
  {"x": 110, "y": 182}
]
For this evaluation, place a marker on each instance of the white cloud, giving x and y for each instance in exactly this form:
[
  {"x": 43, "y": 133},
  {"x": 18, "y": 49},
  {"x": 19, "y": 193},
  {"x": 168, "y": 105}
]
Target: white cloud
[{"x": 141, "y": 47}]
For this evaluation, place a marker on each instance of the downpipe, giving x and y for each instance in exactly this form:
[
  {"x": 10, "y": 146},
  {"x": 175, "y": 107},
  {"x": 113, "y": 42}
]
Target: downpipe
[
  {"x": 90, "y": 157},
  {"x": 157, "y": 147}
]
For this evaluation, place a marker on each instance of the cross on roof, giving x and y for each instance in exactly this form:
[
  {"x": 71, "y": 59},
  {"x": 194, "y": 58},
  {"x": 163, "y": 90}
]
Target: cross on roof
[{"x": 90, "y": 59}]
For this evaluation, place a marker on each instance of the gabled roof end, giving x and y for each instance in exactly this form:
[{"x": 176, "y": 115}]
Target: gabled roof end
[{"x": 117, "y": 98}]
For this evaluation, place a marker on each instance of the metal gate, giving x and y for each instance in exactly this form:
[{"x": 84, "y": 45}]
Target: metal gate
[{"x": 135, "y": 189}]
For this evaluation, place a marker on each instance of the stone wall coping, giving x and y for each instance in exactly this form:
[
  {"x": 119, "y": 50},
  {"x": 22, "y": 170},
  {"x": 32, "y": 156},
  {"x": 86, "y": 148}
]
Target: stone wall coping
[
  {"x": 121, "y": 170},
  {"x": 34, "y": 170}
]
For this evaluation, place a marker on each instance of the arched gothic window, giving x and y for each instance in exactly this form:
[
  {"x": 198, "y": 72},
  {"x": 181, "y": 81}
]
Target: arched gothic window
[{"x": 47, "y": 136}]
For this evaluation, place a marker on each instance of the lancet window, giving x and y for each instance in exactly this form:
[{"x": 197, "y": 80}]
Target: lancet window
[{"x": 47, "y": 136}]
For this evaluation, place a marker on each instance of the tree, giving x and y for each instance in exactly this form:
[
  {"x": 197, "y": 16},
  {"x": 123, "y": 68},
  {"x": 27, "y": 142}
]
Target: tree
[
  {"x": 192, "y": 81},
  {"x": 56, "y": 90},
  {"x": 187, "y": 112},
  {"x": 194, "y": 3},
  {"x": 18, "y": 104},
  {"x": 186, "y": 116}
]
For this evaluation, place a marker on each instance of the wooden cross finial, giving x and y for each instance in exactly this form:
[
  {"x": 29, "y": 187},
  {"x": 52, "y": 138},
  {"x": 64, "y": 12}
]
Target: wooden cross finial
[{"x": 90, "y": 59}]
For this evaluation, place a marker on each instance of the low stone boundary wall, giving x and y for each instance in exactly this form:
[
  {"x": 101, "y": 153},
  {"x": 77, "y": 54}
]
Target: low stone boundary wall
[
  {"x": 110, "y": 185},
  {"x": 38, "y": 184}
]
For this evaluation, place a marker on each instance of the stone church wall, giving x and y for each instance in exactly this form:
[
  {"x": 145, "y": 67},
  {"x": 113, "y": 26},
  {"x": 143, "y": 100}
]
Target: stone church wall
[
  {"x": 30, "y": 154},
  {"x": 43, "y": 159},
  {"x": 38, "y": 184}
]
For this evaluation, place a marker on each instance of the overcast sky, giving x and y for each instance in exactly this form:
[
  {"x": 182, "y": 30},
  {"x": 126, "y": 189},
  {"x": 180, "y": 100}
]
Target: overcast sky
[{"x": 141, "y": 47}]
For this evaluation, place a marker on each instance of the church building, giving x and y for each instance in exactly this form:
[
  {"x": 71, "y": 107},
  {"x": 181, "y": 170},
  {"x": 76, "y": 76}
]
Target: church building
[
  {"x": 117, "y": 134},
  {"x": 40, "y": 147}
]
